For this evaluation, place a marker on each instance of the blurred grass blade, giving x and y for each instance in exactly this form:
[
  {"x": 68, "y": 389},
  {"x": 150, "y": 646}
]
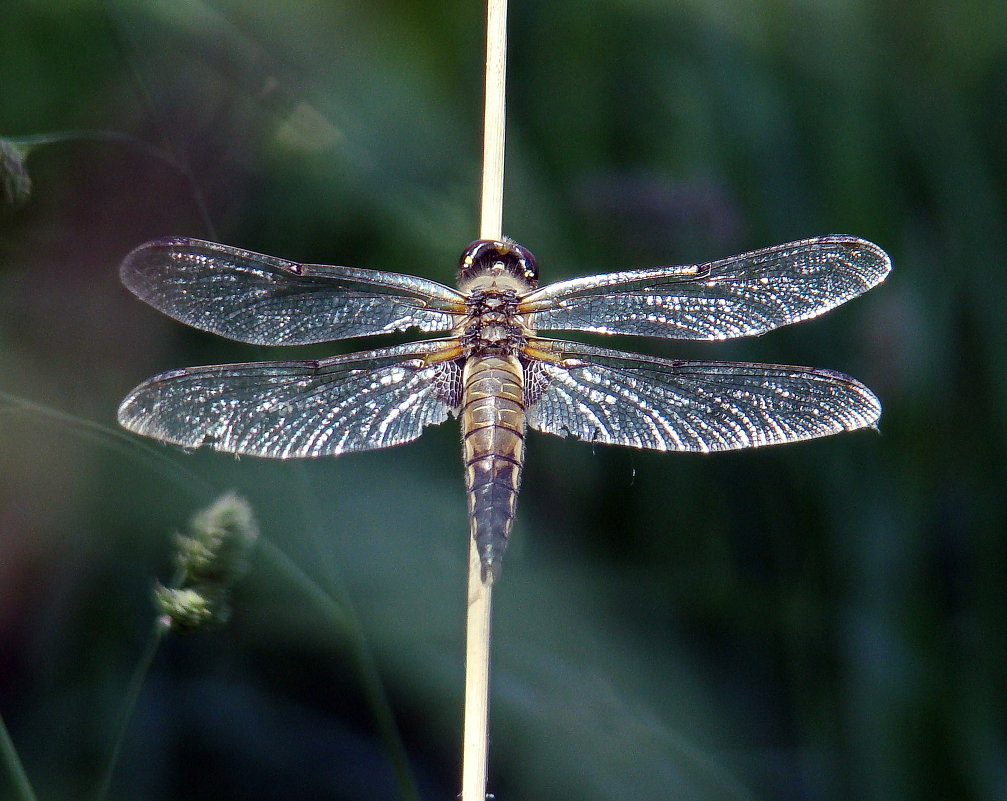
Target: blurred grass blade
[{"x": 13, "y": 174}]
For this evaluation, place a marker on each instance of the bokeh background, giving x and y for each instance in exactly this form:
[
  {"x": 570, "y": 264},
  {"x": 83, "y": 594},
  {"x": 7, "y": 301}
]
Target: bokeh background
[{"x": 822, "y": 621}]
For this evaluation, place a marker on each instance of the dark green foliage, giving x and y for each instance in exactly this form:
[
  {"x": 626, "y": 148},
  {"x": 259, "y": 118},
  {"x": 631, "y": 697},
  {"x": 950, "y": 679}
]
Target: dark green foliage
[{"x": 824, "y": 621}]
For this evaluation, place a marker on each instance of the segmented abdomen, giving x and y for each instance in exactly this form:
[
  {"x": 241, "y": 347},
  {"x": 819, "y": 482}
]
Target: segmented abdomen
[{"x": 493, "y": 429}]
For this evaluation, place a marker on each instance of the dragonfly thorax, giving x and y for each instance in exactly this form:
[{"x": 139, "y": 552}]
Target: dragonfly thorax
[{"x": 492, "y": 323}]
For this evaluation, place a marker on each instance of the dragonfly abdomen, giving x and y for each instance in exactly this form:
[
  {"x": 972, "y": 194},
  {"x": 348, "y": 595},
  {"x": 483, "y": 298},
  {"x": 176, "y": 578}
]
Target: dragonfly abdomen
[{"x": 493, "y": 430}]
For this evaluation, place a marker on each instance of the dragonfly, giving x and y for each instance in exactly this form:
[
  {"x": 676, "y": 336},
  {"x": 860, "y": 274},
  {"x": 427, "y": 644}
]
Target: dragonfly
[{"x": 490, "y": 366}]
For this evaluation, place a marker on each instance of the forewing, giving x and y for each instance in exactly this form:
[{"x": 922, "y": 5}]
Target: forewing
[
  {"x": 738, "y": 296},
  {"x": 268, "y": 301},
  {"x": 608, "y": 396},
  {"x": 292, "y": 409}
]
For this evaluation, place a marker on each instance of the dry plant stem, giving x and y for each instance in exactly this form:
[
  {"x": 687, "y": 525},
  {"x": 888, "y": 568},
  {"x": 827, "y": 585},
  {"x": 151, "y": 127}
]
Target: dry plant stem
[
  {"x": 477, "y": 678},
  {"x": 491, "y": 220},
  {"x": 480, "y": 588}
]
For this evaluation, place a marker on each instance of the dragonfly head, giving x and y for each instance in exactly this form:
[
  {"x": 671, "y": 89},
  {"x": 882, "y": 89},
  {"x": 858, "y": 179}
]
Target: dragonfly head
[{"x": 503, "y": 263}]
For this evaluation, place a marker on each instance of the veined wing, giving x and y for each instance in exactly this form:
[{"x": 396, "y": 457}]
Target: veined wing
[
  {"x": 269, "y": 301},
  {"x": 603, "y": 395},
  {"x": 283, "y": 410},
  {"x": 738, "y": 296}
]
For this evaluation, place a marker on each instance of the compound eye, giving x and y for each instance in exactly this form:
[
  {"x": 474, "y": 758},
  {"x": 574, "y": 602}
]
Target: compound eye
[
  {"x": 480, "y": 252},
  {"x": 525, "y": 262},
  {"x": 493, "y": 255}
]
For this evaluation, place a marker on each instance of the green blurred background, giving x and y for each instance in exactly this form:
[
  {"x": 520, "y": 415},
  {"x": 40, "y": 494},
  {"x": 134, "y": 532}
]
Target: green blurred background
[{"x": 822, "y": 621}]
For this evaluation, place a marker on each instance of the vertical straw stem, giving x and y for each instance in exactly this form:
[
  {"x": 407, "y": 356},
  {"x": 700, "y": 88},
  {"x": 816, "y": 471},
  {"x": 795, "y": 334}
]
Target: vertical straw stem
[
  {"x": 491, "y": 220},
  {"x": 475, "y": 737}
]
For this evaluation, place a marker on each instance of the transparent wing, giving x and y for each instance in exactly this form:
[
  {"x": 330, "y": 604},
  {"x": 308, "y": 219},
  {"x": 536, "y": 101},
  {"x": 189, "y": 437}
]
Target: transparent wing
[
  {"x": 738, "y": 296},
  {"x": 603, "y": 395},
  {"x": 268, "y": 301},
  {"x": 283, "y": 410}
]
